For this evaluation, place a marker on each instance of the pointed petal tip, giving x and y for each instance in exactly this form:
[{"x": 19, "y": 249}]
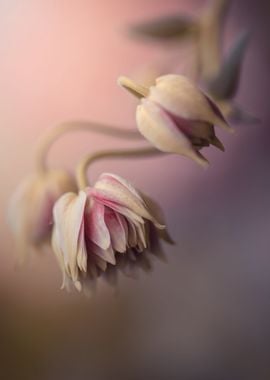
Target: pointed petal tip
[
  {"x": 217, "y": 143},
  {"x": 201, "y": 160},
  {"x": 78, "y": 285},
  {"x": 225, "y": 125}
]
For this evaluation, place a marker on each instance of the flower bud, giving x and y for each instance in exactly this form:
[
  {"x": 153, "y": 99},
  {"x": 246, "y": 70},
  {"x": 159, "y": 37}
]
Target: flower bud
[
  {"x": 177, "y": 117},
  {"x": 30, "y": 211}
]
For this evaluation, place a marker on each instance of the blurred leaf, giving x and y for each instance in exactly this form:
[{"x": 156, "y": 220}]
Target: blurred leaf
[
  {"x": 166, "y": 28},
  {"x": 238, "y": 115},
  {"x": 225, "y": 84}
]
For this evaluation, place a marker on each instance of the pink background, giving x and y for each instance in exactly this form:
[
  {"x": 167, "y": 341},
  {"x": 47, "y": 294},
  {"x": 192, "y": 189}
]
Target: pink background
[{"x": 206, "y": 312}]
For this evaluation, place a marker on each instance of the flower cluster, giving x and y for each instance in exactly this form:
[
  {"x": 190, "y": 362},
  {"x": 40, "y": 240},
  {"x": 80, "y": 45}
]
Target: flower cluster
[
  {"x": 97, "y": 230},
  {"x": 101, "y": 229}
]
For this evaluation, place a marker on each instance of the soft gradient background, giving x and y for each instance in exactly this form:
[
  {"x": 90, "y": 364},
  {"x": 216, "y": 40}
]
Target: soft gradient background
[{"x": 205, "y": 314}]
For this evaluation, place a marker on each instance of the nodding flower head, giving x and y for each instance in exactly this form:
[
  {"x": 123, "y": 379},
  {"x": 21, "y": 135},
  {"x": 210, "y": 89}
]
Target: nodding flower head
[
  {"x": 176, "y": 116},
  {"x": 104, "y": 228},
  {"x": 30, "y": 211}
]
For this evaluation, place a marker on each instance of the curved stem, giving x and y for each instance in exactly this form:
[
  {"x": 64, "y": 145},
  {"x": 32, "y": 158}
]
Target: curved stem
[
  {"x": 53, "y": 135},
  {"x": 81, "y": 171}
]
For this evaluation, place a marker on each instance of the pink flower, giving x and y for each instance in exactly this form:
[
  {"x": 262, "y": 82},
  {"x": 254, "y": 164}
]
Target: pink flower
[
  {"x": 176, "y": 116},
  {"x": 30, "y": 211},
  {"x": 103, "y": 228}
]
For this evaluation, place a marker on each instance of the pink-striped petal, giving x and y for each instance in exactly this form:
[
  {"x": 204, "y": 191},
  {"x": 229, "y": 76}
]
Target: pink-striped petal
[
  {"x": 117, "y": 231},
  {"x": 102, "y": 197},
  {"x": 119, "y": 191},
  {"x": 96, "y": 229}
]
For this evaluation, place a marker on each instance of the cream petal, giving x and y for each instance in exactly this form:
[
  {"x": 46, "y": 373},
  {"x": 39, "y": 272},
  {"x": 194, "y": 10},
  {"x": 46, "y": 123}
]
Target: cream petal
[
  {"x": 30, "y": 211},
  {"x": 117, "y": 232},
  {"x": 68, "y": 218},
  {"x": 109, "y": 177},
  {"x": 180, "y": 96},
  {"x": 56, "y": 246},
  {"x": 122, "y": 220},
  {"x": 82, "y": 252},
  {"x": 96, "y": 229},
  {"x": 117, "y": 190},
  {"x": 132, "y": 234},
  {"x": 42, "y": 220},
  {"x": 141, "y": 235},
  {"x": 157, "y": 127},
  {"x": 104, "y": 197}
]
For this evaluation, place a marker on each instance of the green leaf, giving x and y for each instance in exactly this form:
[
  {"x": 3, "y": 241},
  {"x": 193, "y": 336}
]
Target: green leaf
[{"x": 241, "y": 116}]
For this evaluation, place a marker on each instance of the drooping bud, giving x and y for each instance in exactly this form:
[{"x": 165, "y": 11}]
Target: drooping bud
[
  {"x": 30, "y": 211},
  {"x": 177, "y": 117},
  {"x": 103, "y": 229}
]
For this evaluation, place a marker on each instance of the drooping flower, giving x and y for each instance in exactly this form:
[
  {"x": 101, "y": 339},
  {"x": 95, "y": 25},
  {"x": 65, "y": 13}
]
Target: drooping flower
[
  {"x": 30, "y": 211},
  {"x": 105, "y": 228},
  {"x": 176, "y": 116}
]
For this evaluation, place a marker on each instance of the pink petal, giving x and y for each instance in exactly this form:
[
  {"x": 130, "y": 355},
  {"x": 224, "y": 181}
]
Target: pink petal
[
  {"x": 105, "y": 198},
  {"x": 113, "y": 178},
  {"x": 117, "y": 231},
  {"x": 117, "y": 190},
  {"x": 96, "y": 229}
]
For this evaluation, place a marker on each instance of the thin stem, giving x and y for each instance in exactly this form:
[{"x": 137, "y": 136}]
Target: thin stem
[
  {"x": 81, "y": 172},
  {"x": 53, "y": 135}
]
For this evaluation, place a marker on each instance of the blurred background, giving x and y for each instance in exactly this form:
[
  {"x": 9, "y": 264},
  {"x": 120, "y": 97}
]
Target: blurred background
[{"x": 203, "y": 315}]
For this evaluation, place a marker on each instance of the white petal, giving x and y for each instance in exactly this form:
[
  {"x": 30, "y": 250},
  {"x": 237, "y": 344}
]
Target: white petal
[
  {"x": 157, "y": 127},
  {"x": 180, "y": 96},
  {"x": 68, "y": 218}
]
